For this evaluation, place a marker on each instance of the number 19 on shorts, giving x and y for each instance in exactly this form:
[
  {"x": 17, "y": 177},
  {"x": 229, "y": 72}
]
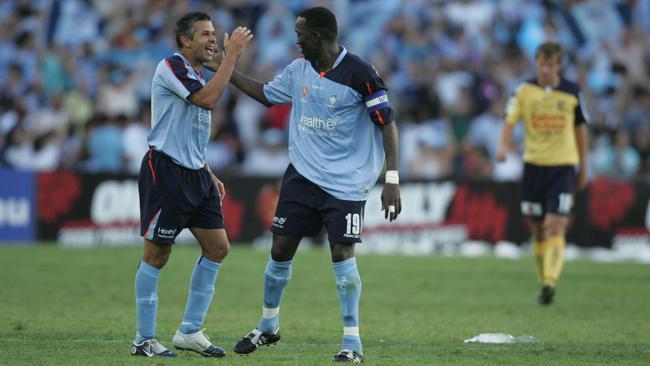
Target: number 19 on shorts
[{"x": 353, "y": 226}]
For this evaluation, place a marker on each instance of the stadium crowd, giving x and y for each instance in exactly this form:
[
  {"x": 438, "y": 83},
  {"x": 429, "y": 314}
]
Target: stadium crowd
[{"x": 77, "y": 75}]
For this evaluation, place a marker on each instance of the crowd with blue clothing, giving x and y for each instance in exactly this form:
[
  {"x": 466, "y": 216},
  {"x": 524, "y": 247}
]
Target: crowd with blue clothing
[{"x": 77, "y": 76}]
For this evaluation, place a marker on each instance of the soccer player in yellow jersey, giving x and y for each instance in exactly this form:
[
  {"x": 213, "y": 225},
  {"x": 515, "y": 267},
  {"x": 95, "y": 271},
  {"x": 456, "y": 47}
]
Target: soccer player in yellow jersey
[{"x": 555, "y": 142}]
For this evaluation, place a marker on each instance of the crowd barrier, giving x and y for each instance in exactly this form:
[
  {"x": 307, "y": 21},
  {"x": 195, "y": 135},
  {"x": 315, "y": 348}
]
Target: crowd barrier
[{"x": 99, "y": 209}]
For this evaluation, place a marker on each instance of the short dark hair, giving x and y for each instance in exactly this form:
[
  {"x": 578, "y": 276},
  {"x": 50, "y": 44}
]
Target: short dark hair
[
  {"x": 322, "y": 20},
  {"x": 550, "y": 49},
  {"x": 185, "y": 25}
]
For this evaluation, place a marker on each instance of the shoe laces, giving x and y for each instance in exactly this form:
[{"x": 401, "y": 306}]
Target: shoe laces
[
  {"x": 202, "y": 339},
  {"x": 254, "y": 336},
  {"x": 156, "y": 346}
]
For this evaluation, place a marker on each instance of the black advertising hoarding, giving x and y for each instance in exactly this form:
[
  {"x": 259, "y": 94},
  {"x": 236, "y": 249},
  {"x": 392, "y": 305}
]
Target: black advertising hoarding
[
  {"x": 97, "y": 209},
  {"x": 612, "y": 212},
  {"x": 84, "y": 210}
]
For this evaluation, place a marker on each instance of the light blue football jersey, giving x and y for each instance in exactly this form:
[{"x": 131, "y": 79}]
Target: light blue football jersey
[
  {"x": 179, "y": 128},
  {"x": 334, "y": 135}
]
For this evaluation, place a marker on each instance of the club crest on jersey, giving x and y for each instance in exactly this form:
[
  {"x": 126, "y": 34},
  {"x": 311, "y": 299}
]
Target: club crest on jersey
[
  {"x": 561, "y": 105},
  {"x": 305, "y": 90},
  {"x": 333, "y": 99}
]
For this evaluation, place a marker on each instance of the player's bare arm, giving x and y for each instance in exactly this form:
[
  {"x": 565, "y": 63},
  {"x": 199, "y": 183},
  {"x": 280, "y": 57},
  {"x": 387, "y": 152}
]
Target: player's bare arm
[
  {"x": 391, "y": 201},
  {"x": 504, "y": 141},
  {"x": 217, "y": 182},
  {"x": 250, "y": 87},
  {"x": 234, "y": 45},
  {"x": 581, "y": 143}
]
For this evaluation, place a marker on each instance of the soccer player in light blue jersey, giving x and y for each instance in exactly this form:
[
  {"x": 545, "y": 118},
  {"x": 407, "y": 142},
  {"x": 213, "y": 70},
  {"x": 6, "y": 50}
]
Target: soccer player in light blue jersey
[
  {"x": 341, "y": 128},
  {"x": 177, "y": 188}
]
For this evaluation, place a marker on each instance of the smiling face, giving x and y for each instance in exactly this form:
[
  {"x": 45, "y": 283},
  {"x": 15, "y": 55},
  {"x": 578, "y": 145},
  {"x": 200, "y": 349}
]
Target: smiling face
[
  {"x": 203, "y": 43},
  {"x": 306, "y": 39}
]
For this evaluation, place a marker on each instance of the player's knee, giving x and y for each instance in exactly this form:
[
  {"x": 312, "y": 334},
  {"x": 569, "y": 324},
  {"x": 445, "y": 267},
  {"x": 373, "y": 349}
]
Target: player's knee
[
  {"x": 280, "y": 254},
  {"x": 341, "y": 252},
  {"x": 554, "y": 228},
  {"x": 218, "y": 252},
  {"x": 156, "y": 260}
]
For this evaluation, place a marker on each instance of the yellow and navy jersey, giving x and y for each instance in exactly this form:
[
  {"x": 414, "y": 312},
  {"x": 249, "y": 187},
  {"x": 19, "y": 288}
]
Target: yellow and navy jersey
[{"x": 549, "y": 115}]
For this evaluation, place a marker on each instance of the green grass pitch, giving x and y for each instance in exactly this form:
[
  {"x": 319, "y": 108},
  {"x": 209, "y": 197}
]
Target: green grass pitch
[{"x": 76, "y": 307}]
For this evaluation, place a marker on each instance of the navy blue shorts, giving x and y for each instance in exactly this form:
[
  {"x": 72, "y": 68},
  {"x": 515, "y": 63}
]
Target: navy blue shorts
[
  {"x": 547, "y": 189},
  {"x": 304, "y": 207},
  {"x": 173, "y": 198}
]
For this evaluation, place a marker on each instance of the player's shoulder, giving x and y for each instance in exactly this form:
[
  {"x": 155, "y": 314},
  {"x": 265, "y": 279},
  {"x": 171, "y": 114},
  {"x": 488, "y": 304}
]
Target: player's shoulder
[
  {"x": 569, "y": 87},
  {"x": 357, "y": 65},
  {"x": 298, "y": 63},
  {"x": 172, "y": 63},
  {"x": 528, "y": 83},
  {"x": 523, "y": 85}
]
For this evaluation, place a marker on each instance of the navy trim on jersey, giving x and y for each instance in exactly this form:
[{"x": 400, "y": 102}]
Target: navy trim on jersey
[
  {"x": 572, "y": 88},
  {"x": 359, "y": 75},
  {"x": 180, "y": 70}
]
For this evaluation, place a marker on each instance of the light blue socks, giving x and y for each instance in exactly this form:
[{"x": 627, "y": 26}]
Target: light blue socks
[
  {"x": 200, "y": 295},
  {"x": 146, "y": 301},
  {"x": 348, "y": 285},
  {"x": 276, "y": 278}
]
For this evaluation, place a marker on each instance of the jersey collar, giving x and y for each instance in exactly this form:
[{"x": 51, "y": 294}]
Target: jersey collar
[{"x": 342, "y": 53}]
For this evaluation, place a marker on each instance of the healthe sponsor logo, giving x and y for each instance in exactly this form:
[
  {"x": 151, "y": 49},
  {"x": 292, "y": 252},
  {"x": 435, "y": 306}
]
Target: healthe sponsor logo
[{"x": 318, "y": 123}]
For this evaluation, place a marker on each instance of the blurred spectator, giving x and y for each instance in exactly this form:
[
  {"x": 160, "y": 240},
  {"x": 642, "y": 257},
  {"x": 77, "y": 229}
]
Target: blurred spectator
[
  {"x": 618, "y": 161},
  {"x": 52, "y": 117},
  {"x": 118, "y": 95},
  {"x": 511, "y": 169},
  {"x": 270, "y": 158},
  {"x": 449, "y": 66},
  {"x": 105, "y": 145},
  {"x": 427, "y": 149},
  {"x": 135, "y": 139},
  {"x": 477, "y": 163}
]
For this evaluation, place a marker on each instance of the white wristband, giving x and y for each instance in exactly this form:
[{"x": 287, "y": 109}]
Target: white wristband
[{"x": 392, "y": 177}]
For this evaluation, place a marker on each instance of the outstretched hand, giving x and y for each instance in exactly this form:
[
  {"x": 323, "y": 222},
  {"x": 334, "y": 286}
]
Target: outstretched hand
[
  {"x": 391, "y": 203},
  {"x": 235, "y": 44}
]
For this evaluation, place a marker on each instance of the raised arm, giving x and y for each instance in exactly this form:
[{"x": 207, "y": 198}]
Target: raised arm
[
  {"x": 208, "y": 96},
  {"x": 250, "y": 87}
]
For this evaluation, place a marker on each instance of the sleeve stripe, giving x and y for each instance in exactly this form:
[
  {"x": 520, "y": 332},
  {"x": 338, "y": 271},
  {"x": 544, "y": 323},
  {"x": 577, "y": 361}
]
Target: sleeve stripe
[
  {"x": 172, "y": 70},
  {"x": 183, "y": 75},
  {"x": 381, "y": 120}
]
